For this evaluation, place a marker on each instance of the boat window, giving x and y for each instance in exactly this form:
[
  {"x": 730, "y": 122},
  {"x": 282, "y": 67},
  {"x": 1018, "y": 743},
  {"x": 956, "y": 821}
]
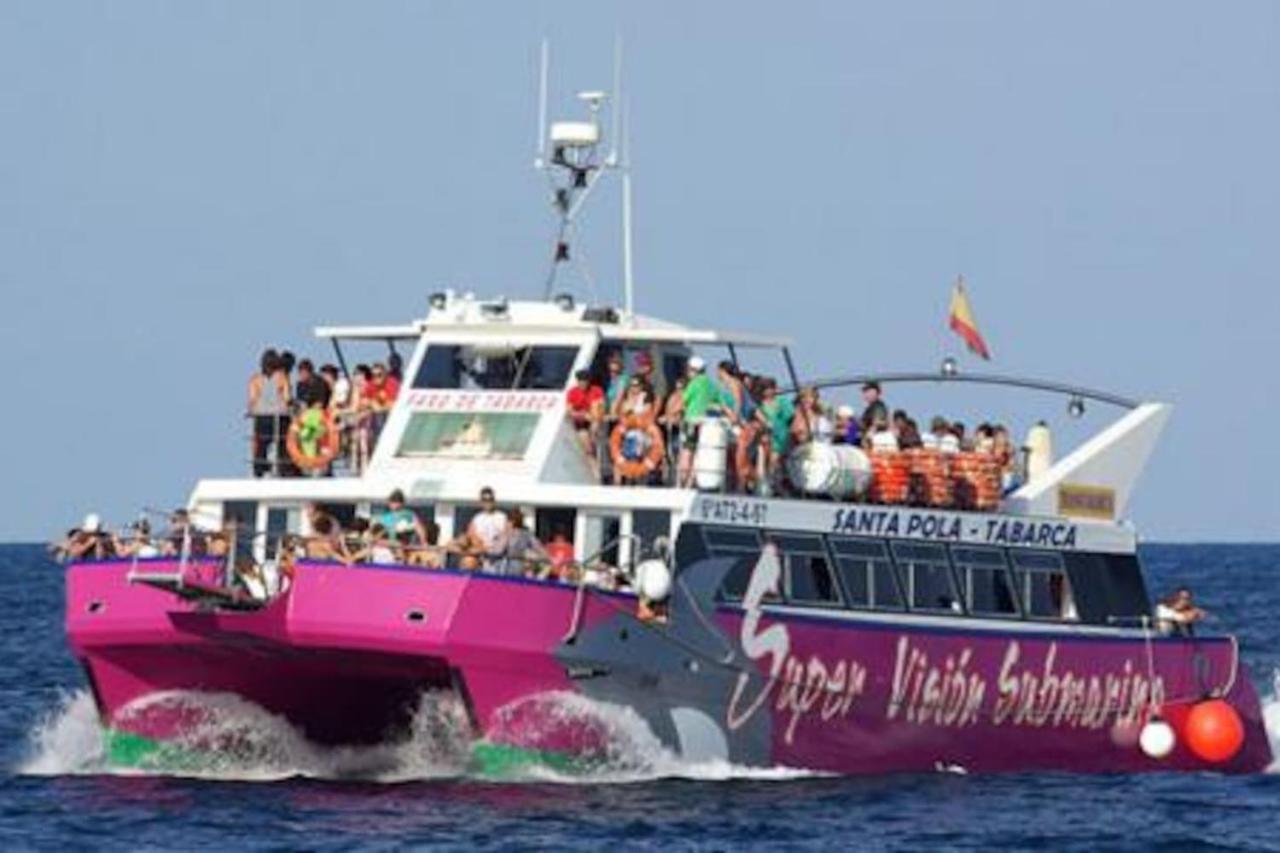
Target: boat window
[
  {"x": 497, "y": 368},
  {"x": 730, "y": 540},
  {"x": 926, "y": 573},
  {"x": 468, "y": 435},
  {"x": 650, "y": 527},
  {"x": 1043, "y": 587},
  {"x": 1107, "y": 588},
  {"x": 806, "y": 574},
  {"x": 984, "y": 577},
  {"x": 600, "y": 543},
  {"x": 867, "y": 573}
]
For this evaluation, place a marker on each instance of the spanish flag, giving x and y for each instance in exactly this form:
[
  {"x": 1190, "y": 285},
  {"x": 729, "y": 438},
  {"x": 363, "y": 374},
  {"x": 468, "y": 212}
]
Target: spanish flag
[{"x": 963, "y": 323}]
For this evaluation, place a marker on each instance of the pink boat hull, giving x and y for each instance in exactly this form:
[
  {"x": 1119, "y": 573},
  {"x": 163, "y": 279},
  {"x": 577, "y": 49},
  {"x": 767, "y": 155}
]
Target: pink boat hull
[{"x": 345, "y": 655}]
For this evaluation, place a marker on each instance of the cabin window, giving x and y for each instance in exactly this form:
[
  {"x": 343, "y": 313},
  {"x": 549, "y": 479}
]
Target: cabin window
[
  {"x": 468, "y": 435},
  {"x": 496, "y": 368},
  {"x": 806, "y": 574},
  {"x": 601, "y": 534},
  {"x": 730, "y": 540},
  {"x": 1107, "y": 588},
  {"x": 926, "y": 572},
  {"x": 984, "y": 576},
  {"x": 1043, "y": 586},
  {"x": 649, "y": 526},
  {"x": 742, "y": 543},
  {"x": 866, "y": 573}
]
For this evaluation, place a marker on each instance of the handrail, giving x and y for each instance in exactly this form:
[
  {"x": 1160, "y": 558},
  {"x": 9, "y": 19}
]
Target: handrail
[
  {"x": 975, "y": 378},
  {"x": 580, "y": 594}
]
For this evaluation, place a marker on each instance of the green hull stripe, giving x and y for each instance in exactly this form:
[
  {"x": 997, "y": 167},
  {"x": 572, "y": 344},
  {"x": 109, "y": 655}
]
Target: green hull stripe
[{"x": 494, "y": 760}]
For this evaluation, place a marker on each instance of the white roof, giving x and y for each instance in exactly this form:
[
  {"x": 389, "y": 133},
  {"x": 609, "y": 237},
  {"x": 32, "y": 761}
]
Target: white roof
[{"x": 469, "y": 314}]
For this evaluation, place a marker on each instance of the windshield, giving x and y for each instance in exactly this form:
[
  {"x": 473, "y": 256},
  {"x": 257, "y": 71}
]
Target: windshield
[{"x": 496, "y": 368}]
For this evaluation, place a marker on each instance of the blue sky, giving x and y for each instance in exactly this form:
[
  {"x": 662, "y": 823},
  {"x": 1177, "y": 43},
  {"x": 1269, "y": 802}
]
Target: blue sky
[{"x": 183, "y": 183}]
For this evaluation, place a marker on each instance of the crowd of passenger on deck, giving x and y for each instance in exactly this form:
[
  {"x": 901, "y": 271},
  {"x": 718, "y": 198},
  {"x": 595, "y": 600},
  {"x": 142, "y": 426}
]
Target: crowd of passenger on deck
[
  {"x": 494, "y": 540},
  {"x": 291, "y": 400},
  {"x": 764, "y": 424}
]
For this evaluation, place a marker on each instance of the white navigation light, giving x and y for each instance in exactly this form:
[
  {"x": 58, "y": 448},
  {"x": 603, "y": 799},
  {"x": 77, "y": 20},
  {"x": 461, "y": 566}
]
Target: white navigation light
[
  {"x": 575, "y": 134},
  {"x": 949, "y": 366},
  {"x": 1075, "y": 408}
]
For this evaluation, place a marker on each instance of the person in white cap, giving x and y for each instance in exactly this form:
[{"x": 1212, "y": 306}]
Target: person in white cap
[
  {"x": 846, "y": 429},
  {"x": 86, "y": 542},
  {"x": 699, "y": 394}
]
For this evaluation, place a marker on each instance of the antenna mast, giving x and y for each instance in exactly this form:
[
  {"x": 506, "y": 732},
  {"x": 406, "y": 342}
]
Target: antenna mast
[{"x": 575, "y": 166}]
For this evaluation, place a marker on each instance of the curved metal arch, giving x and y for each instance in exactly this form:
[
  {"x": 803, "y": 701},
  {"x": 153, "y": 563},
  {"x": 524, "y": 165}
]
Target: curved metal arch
[{"x": 979, "y": 379}]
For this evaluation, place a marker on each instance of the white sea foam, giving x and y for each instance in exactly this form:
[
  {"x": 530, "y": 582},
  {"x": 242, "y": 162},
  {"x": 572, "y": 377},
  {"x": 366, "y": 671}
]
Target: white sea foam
[
  {"x": 1271, "y": 718},
  {"x": 237, "y": 740}
]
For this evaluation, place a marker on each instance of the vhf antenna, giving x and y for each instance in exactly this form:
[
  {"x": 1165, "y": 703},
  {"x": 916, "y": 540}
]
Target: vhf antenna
[{"x": 575, "y": 166}]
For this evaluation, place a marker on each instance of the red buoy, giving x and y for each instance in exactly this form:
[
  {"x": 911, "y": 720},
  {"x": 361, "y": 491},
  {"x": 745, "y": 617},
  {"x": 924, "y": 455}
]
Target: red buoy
[{"x": 1213, "y": 731}]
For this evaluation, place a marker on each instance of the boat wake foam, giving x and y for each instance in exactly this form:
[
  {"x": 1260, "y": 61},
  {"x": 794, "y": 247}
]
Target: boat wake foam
[{"x": 227, "y": 738}]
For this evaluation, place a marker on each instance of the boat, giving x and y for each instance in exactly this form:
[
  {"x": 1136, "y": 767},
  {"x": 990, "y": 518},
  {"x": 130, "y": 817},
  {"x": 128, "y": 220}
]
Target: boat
[{"x": 854, "y": 613}]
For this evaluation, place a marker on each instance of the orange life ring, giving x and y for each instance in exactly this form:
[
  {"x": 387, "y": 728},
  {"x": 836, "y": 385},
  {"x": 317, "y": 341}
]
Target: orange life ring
[
  {"x": 328, "y": 443},
  {"x": 637, "y": 469}
]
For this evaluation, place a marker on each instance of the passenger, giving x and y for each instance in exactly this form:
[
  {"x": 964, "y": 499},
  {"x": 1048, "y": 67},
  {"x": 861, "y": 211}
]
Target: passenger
[
  {"x": 489, "y": 531},
  {"x": 89, "y": 541},
  {"x": 281, "y": 376},
  {"x": 219, "y": 544},
  {"x": 906, "y": 430},
  {"x": 357, "y": 415},
  {"x": 942, "y": 437},
  {"x": 810, "y": 422},
  {"x": 650, "y": 377},
  {"x": 873, "y": 406},
  {"x": 140, "y": 544},
  {"x": 397, "y": 513},
  {"x": 1007, "y": 458},
  {"x": 325, "y": 542},
  {"x": 671, "y": 418},
  {"x": 847, "y": 429},
  {"x": 964, "y": 442},
  {"x": 339, "y": 392},
  {"x": 383, "y": 390},
  {"x": 751, "y": 455},
  {"x": 616, "y": 383},
  {"x": 732, "y": 400},
  {"x": 268, "y": 403},
  {"x": 984, "y": 439},
  {"x": 395, "y": 370},
  {"x": 356, "y": 539},
  {"x": 523, "y": 552},
  {"x": 381, "y": 550},
  {"x": 183, "y": 537},
  {"x": 638, "y": 401},
  {"x": 584, "y": 404},
  {"x": 696, "y": 401},
  {"x": 312, "y": 390},
  {"x": 1177, "y": 613},
  {"x": 777, "y": 411},
  {"x": 559, "y": 555},
  {"x": 882, "y": 438}
]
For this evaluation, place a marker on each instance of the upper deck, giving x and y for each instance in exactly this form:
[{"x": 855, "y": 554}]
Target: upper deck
[{"x": 483, "y": 402}]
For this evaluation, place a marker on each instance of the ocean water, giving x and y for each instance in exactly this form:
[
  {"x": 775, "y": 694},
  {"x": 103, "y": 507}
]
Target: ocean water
[{"x": 279, "y": 792}]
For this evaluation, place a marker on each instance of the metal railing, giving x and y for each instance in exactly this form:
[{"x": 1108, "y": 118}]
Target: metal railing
[{"x": 359, "y": 433}]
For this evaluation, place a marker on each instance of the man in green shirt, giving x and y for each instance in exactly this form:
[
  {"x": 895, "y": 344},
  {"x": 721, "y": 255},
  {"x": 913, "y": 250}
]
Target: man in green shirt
[{"x": 698, "y": 396}]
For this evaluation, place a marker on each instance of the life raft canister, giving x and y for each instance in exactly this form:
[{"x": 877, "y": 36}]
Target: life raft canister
[
  {"x": 636, "y": 447},
  {"x": 313, "y": 440}
]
